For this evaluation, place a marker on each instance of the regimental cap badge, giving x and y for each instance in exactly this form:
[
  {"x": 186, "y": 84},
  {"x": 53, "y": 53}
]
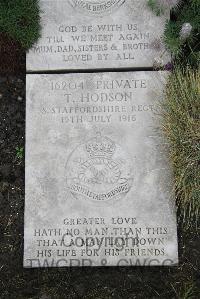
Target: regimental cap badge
[{"x": 100, "y": 147}]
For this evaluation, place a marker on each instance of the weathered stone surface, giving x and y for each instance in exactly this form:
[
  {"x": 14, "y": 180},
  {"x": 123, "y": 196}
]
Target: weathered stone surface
[
  {"x": 98, "y": 186},
  {"x": 84, "y": 34}
]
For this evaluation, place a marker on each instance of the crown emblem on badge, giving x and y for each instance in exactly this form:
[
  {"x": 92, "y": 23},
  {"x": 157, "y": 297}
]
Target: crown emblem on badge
[{"x": 100, "y": 147}]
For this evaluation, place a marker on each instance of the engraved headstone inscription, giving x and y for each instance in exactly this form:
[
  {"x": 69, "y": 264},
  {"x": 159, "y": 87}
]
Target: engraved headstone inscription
[
  {"x": 98, "y": 34},
  {"x": 98, "y": 184}
]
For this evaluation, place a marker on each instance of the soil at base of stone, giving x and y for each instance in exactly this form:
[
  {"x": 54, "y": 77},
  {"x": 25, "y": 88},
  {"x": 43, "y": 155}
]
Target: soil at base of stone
[{"x": 12, "y": 56}]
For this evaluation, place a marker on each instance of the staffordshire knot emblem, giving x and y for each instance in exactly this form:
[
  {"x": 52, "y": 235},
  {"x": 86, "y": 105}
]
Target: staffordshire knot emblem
[{"x": 99, "y": 170}]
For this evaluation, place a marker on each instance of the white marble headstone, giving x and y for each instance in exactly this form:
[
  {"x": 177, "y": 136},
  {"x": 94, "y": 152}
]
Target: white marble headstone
[
  {"x": 101, "y": 34},
  {"x": 98, "y": 185}
]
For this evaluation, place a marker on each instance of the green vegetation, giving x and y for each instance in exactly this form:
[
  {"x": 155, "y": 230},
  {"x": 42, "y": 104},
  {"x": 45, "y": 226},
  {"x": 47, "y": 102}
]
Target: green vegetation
[
  {"x": 157, "y": 9},
  {"x": 188, "y": 291},
  {"x": 181, "y": 112},
  {"x": 19, "y": 152},
  {"x": 181, "y": 109},
  {"x": 182, "y": 31},
  {"x": 20, "y": 20}
]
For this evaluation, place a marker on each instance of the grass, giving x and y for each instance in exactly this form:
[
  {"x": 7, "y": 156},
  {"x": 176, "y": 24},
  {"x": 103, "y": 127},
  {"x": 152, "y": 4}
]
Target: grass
[
  {"x": 20, "y": 20},
  {"x": 181, "y": 112},
  {"x": 186, "y": 50},
  {"x": 189, "y": 291}
]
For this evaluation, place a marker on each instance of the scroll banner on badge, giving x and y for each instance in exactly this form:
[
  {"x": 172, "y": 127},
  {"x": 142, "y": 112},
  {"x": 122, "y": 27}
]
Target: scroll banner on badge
[{"x": 83, "y": 190}]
